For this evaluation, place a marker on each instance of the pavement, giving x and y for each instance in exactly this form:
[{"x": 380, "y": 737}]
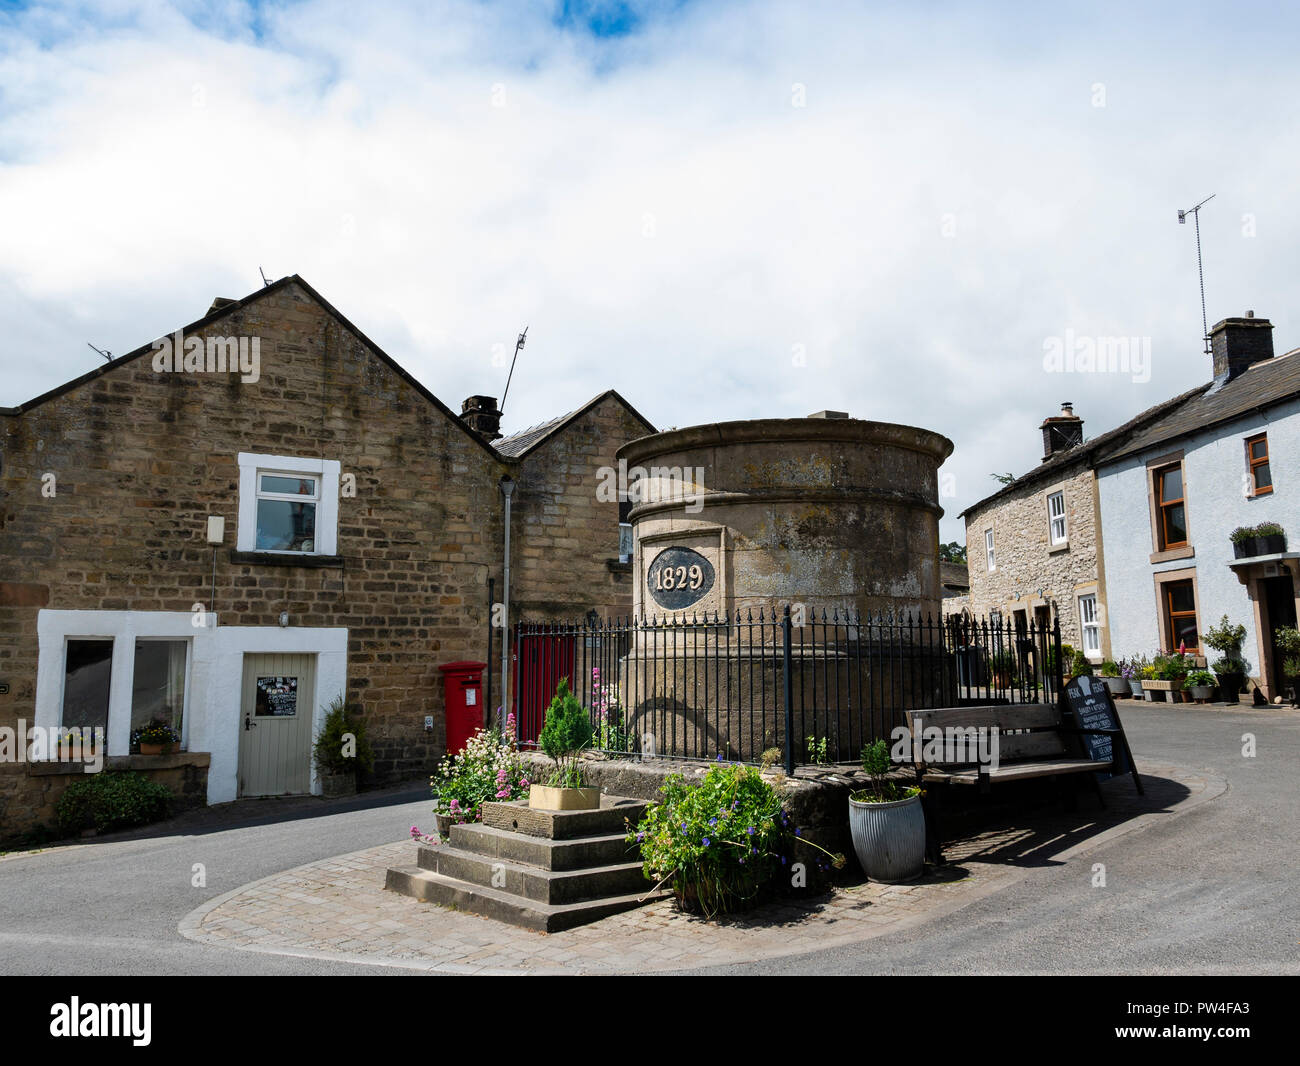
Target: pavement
[{"x": 1196, "y": 878}]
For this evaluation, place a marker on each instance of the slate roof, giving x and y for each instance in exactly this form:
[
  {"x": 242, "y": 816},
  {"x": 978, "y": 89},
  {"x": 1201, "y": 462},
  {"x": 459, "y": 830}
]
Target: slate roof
[
  {"x": 1090, "y": 451},
  {"x": 1265, "y": 384},
  {"x": 519, "y": 444}
]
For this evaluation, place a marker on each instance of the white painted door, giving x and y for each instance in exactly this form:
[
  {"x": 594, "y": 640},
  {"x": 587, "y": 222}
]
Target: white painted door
[{"x": 275, "y": 723}]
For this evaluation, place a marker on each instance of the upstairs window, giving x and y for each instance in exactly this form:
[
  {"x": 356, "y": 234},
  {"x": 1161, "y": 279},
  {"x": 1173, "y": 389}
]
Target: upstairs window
[
  {"x": 988, "y": 548},
  {"x": 624, "y": 531},
  {"x": 1056, "y": 517},
  {"x": 288, "y": 505},
  {"x": 1171, "y": 509},
  {"x": 1261, "y": 477}
]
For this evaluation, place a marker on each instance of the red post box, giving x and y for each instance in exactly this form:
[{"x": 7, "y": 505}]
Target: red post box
[{"x": 462, "y": 685}]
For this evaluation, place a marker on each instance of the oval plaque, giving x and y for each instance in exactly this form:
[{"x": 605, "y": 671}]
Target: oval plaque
[{"x": 679, "y": 577}]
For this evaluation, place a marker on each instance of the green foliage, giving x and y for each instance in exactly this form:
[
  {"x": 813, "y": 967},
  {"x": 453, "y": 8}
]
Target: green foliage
[
  {"x": 1224, "y": 637},
  {"x": 341, "y": 745},
  {"x": 771, "y": 757},
  {"x": 1079, "y": 665},
  {"x": 952, "y": 552},
  {"x": 719, "y": 842},
  {"x": 877, "y": 763},
  {"x": 1200, "y": 679},
  {"x": 111, "y": 800},
  {"x": 565, "y": 734},
  {"x": 1171, "y": 667},
  {"x": 488, "y": 769},
  {"x": 1264, "y": 529},
  {"x": 817, "y": 750},
  {"x": 1003, "y": 479},
  {"x": 1109, "y": 668},
  {"x": 1287, "y": 639},
  {"x": 156, "y": 732}
]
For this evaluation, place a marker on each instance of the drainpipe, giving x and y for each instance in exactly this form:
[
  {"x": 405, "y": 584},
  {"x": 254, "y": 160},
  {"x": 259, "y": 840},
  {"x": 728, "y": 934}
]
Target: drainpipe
[{"x": 507, "y": 490}]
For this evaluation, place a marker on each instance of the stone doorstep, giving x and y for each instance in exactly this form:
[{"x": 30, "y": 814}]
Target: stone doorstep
[
  {"x": 518, "y": 817},
  {"x": 598, "y": 850},
  {"x": 530, "y": 882},
  {"x": 488, "y": 902}
]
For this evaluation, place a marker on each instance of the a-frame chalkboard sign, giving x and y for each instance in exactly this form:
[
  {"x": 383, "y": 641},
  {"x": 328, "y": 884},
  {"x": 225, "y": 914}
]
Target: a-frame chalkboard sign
[{"x": 1096, "y": 722}]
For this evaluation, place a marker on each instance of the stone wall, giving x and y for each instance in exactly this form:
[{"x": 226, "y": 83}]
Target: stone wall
[{"x": 1027, "y": 564}]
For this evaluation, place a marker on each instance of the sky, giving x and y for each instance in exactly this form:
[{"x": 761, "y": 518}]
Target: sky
[{"x": 723, "y": 210}]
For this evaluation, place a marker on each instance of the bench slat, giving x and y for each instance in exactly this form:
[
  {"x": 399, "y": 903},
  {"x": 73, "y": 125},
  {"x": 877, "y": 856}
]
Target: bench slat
[
  {"x": 1020, "y": 771},
  {"x": 1007, "y": 716}
]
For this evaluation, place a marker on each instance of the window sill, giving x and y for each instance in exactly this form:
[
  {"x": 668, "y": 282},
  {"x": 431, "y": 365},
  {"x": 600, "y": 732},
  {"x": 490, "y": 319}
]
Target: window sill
[
  {"x": 1064, "y": 546},
  {"x": 1185, "y": 552},
  {"x": 618, "y": 567},
  {"x": 285, "y": 559},
  {"x": 123, "y": 762}
]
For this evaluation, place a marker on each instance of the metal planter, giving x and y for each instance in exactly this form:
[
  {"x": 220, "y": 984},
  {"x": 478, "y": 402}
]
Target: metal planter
[{"x": 889, "y": 839}]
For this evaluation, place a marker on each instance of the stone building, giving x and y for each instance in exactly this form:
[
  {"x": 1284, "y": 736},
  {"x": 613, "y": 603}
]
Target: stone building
[
  {"x": 280, "y": 514},
  {"x": 1034, "y": 548}
]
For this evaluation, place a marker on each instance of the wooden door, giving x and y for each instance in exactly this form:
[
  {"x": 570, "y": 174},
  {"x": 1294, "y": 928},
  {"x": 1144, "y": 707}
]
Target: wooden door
[{"x": 275, "y": 723}]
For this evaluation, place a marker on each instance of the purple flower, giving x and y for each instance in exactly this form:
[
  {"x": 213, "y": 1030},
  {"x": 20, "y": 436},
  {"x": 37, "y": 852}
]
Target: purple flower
[
  {"x": 706, "y": 842},
  {"x": 713, "y": 821},
  {"x": 750, "y": 830},
  {"x": 798, "y": 831},
  {"x": 640, "y": 837},
  {"x": 753, "y": 851}
]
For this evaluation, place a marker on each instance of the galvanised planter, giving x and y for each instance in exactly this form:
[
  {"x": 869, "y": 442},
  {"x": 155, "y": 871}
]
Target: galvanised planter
[
  {"x": 1118, "y": 685},
  {"x": 889, "y": 839}
]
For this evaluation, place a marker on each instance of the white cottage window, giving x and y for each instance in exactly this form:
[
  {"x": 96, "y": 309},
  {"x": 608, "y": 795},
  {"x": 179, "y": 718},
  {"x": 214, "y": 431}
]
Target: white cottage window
[
  {"x": 1056, "y": 517},
  {"x": 988, "y": 548},
  {"x": 1090, "y": 624}
]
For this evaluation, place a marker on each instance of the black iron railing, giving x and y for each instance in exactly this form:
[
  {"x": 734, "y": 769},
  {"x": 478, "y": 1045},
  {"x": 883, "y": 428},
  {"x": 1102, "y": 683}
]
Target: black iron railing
[{"x": 815, "y": 686}]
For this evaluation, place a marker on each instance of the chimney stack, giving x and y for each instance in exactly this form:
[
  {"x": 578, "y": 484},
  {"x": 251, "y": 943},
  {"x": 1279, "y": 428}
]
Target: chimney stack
[
  {"x": 1061, "y": 432},
  {"x": 481, "y": 415},
  {"x": 1239, "y": 343}
]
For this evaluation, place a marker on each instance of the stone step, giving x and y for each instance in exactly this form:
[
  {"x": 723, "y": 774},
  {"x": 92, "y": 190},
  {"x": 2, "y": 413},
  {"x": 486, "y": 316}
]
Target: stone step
[
  {"x": 546, "y": 854},
  {"x": 494, "y": 903},
  {"x": 530, "y": 882},
  {"x": 518, "y": 817}
]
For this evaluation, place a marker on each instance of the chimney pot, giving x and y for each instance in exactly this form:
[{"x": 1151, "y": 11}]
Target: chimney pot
[{"x": 480, "y": 414}]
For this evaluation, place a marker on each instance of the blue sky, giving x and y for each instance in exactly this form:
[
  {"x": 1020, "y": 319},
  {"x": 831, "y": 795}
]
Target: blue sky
[{"x": 724, "y": 210}]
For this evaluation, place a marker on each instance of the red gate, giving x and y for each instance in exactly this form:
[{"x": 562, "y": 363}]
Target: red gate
[{"x": 541, "y": 660}]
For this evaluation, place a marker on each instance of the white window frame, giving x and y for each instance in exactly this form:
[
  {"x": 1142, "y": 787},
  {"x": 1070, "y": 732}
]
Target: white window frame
[
  {"x": 252, "y": 465},
  {"x": 1053, "y": 518},
  {"x": 988, "y": 550},
  {"x": 1087, "y": 625}
]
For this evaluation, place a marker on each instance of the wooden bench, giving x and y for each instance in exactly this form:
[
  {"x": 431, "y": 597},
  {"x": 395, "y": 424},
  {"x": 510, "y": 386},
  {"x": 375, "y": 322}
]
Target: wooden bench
[{"x": 1034, "y": 740}]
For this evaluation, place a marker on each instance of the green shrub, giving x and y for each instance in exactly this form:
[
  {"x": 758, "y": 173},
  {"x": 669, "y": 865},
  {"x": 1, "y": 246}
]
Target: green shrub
[
  {"x": 1079, "y": 665},
  {"x": 565, "y": 734},
  {"x": 1110, "y": 669},
  {"x": 341, "y": 746},
  {"x": 489, "y": 769},
  {"x": 719, "y": 843},
  {"x": 111, "y": 800},
  {"x": 1200, "y": 679},
  {"x": 877, "y": 763},
  {"x": 1225, "y": 637}
]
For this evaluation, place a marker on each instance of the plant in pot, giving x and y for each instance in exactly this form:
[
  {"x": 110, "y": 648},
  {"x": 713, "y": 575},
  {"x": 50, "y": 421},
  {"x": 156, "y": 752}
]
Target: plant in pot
[
  {"x": 1080, "y": 665},
  {"x": 1200, "y": 685},
  {"x": 1002, "y": 667},
  {"x": 156, "y": 738},
  {"x": 1287, "y": 639},
  {"x": 886, "y": 822},
  {"x": 565, "y": 735},
  {"x": 1226, "y": 638},
  {"x": 1267, "y": 538},
  {"x": 1132, "y": 669},
  {"x": 341, "y": 748},
  {"x": 1112, "y": 673}
]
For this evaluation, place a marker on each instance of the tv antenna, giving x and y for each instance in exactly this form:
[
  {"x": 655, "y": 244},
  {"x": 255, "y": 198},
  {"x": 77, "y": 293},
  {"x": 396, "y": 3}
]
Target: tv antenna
[
  {"x": 108, "y": 356},
  {"x": 518, "y": 345},
  {"x": 1195, "y": 212},
  {"x": 265, "y": 281}
]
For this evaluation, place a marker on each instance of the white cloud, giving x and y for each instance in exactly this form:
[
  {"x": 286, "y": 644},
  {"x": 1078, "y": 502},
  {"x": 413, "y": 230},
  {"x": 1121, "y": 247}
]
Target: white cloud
[{"x": 654, "y": 207}]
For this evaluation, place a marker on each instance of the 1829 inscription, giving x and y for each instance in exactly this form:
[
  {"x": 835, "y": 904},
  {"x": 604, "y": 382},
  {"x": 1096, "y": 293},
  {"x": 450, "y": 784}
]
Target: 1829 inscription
[{"x": 679, "y": 577}]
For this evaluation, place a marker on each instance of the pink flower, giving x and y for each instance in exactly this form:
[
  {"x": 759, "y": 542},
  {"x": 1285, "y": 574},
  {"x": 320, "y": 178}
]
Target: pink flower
[
  {"x": 523, "y": 782},
  {"x": 503, "y": 794}
]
